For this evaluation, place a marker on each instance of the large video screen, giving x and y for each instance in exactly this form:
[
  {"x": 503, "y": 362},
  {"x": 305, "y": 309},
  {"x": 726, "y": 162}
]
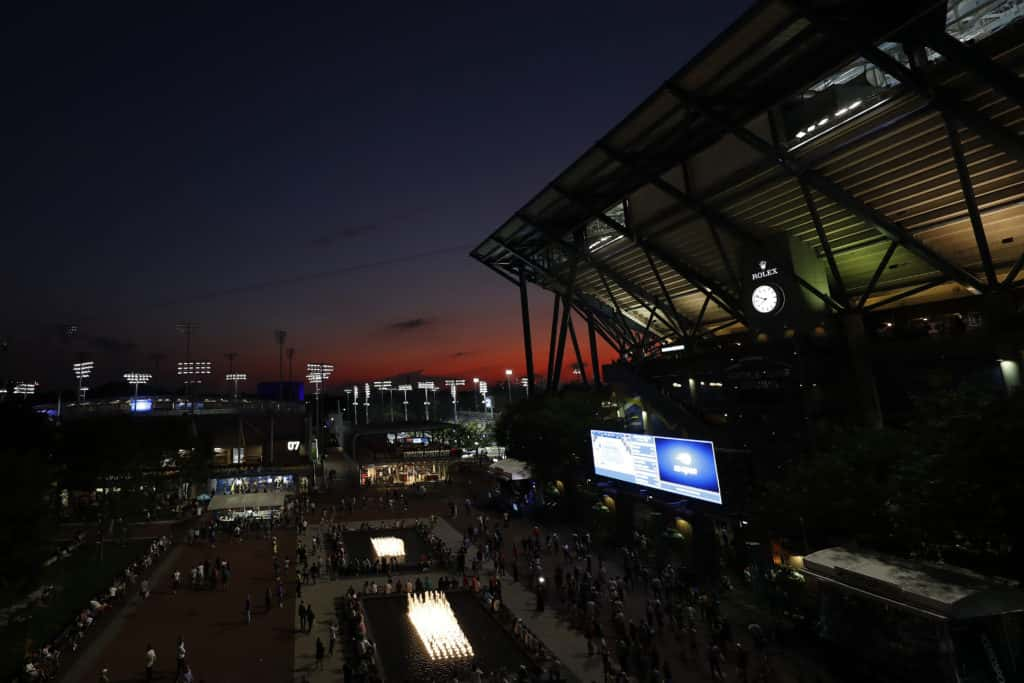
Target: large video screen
[{"x": 683, "y": 466}]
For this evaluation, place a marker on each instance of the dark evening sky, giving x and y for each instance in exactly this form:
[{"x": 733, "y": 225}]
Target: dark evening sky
[{"x": 323, "y": 170}]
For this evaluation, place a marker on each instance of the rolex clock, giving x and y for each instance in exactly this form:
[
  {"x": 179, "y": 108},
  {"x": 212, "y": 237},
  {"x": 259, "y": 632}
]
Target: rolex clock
[{"x": 767, "y": 299}]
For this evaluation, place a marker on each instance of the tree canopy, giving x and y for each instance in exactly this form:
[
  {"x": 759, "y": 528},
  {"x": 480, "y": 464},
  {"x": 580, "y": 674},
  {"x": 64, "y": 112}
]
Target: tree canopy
[
  {"x": 946, "y": 484},
  {"x": 551, "y": 432}
]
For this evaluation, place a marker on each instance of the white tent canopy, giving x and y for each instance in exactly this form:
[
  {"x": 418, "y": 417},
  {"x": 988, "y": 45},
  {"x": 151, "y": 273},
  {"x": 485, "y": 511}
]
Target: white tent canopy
[{"x": 238, "y": 501}]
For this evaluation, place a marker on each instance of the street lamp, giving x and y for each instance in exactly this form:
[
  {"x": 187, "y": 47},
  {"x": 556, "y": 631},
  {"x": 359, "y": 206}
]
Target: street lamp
[
  {"x": 476, "y": 397},
  {"x": 83, "y": 371},
  {"x": 426, "y": 387},
  {"x": 366, "y": 401},
  {"x": 355, "y": 404},
  {"x": 405, "y": 389},
  {"x": 137, "y": 378},
  {"x": 236, "y": 377},
  {"x": 348, "y": 395},
  {"x": 454, "y": 385},
  {"x": 508, "y": 382}
]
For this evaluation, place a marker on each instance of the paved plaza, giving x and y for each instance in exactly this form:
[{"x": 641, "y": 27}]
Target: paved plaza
[{"x": 222, "y": 647}]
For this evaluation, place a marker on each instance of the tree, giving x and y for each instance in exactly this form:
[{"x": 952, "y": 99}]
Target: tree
[
  {"x": 551, "y": 433},
  {"x": 25, "y": 449},
  {"x": 948, "y": 481}
]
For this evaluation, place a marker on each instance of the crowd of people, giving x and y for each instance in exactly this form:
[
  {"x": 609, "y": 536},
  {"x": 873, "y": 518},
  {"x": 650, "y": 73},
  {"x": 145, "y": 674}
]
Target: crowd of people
[{"x": 43, "y": 663}]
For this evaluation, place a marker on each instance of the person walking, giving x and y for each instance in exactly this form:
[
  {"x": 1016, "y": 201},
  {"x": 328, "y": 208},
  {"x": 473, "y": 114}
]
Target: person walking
[
  {"x": 319, "y": 654},
  {"x": 302, "y": 616},
  {"x": 309, "y": 619},
  {"x": 267, "y": 600},
  {"x": 150, "y": 661},
  {"x": 180, "y": 652},
  {"x": 333, "y": 638},
  {"x": 248, "y": 608}
]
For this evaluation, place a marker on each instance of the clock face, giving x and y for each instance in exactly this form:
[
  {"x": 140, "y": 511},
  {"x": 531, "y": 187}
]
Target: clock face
[{"x": 765, "y": 299}]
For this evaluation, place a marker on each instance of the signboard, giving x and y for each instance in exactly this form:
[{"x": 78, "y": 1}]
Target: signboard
[
  {"x": 142, "y": 405},
  {"x": 294, "y": 445},
  {"x": 686, "y": 467}
]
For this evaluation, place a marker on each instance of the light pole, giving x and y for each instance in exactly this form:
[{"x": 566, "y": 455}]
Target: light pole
[
  {"x": 454, "y": 385},
  {"x": 317, "y": 374},
  {"x": 137, "y": 378},
  {"x": 236, "y": 377},
  {"x": 508, "y": 382},
  {"x": 476, "y": 396},
  {"x": 405, "y": 389},
  {"x": 187, "y": 328},
  {"x": 426, "y": 387},
  {"x": 83, "y": 371},
  {"x": 279, "y": 337},
  {"x": 355, "y": 404},
  {"x": 384, "y": 385},
  {"x": 524, "y": 382},
  {"x": 348, "y": 395},
  {"x": 291, "y": 354},
  {"x": 366, "y": 403}
]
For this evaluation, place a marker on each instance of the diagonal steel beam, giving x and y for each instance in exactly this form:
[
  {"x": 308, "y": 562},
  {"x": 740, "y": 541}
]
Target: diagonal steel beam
[
  {"x": 664, "y": 289},
  {"x": 967, "y": 187},
  {"x": 644, "y": 298},
  {"x": 1012, "y": 275},
  {"x": 1002, "y": 79},
  {"x": 851, "y": 32},
  {"x": 812, "y": 209},
  {"x": 910, "y": 292},
  {"x": 685, "y": 199},
  {"x": 878, "y": 274},
  {"x": 702, "y": 281},
  {"x": 829, "y": 188},
  {"x": 703, "y": 310}
]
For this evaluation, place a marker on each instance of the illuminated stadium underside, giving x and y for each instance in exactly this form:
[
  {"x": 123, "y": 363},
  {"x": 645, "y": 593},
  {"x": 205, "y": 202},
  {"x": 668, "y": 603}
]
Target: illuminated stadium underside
[{"x": 884, "y": 136}]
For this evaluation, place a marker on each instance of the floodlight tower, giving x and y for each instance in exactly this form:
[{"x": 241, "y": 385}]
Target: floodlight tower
[
  {"x": 193, "y": 373},
  {"x": 508, "y": 381},
  {"x": 405, "y": 389},
  {"x": 453, "y": 385},
  {"x": 317, "y": 374},
  {"x": 83, "y": 371},
  {"x": 187, "y": 328},
  {"x": 348, "y": 395},
  {"x": 384, "y": 385},
  {"x": 366, "y": 403},
  {"x": 25, "y": 388},
  {"x": 291, "y": 356},
  {"x": 236, "y": 377},
  {"x": 524, "y": 382},
  {"x": 355, "y": 404},
  {"x": 483, "y": 394},
  {"x": 426, "y": 387},
  {"x": 476, "y": 396},
  {"x": 137, "y": 378}
]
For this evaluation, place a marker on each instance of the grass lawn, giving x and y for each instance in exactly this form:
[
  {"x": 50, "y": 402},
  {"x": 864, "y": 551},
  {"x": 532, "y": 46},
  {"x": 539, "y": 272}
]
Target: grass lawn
[{"x": 76, "y": 579}]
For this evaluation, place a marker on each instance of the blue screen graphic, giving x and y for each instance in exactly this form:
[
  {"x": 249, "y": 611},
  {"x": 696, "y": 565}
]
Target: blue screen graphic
[
  {"x": 142, "y": 405},
  {"x": 686, "y": 467}
]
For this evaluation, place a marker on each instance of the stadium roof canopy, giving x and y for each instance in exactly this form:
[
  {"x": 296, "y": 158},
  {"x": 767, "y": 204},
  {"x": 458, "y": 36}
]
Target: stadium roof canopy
[{"x": 885, "y": 135}]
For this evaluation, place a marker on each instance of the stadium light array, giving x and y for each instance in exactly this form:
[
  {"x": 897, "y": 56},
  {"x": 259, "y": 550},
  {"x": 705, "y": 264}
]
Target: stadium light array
[{"x": 236, "y": 377}]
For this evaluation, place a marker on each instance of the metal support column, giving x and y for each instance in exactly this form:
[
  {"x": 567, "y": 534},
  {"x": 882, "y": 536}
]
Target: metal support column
[
  {"x": 593, "y": 350},
  {"x": 524, "y": 302},
  {"x": 554, "y": 337}
]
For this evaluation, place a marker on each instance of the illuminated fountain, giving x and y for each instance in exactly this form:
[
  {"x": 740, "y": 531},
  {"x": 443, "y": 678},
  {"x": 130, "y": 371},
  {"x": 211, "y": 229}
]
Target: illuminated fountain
[
  {"x": 388, "y": 546},
  {"x": 437, "y": 626}
]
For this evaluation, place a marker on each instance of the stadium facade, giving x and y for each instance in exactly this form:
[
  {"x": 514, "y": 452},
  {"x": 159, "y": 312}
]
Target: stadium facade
[{"x": 819, "y": 214}]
